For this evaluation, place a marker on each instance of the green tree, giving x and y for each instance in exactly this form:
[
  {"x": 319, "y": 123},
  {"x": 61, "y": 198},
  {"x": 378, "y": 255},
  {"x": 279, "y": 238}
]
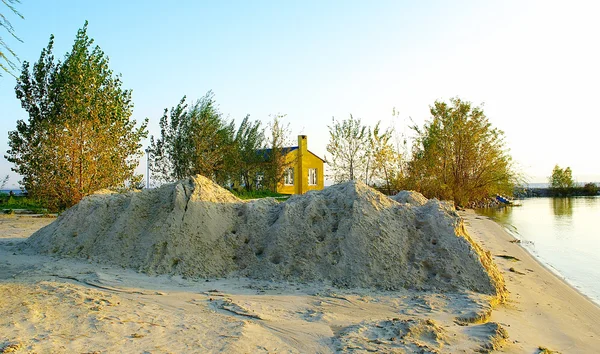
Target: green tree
[
  {"x": 385, "y": 159},
  {"x": 590, "y": 189},
  {"x": 246, "y": 160},
  {"x": 31, "y": 144},
  {"x": 80, "y": 136},
  {"x": 277, "y": 138},
  {"x": 561, "y": 180},
  {"x": 6, "y": 64},
  {"x": 458, "y": 155},
  {"x": 347, "y": 145},
  {"x": 194, "y": 140}
]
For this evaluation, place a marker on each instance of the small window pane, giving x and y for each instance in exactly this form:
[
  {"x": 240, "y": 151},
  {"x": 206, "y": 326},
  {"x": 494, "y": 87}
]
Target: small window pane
[
  {"x": 312, "y": 176},
  {"x": 288, "y": 178}
]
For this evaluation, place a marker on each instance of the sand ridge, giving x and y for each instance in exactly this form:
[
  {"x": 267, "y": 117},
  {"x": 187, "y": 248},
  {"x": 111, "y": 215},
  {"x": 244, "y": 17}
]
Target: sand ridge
[{"x": 348, "y": 235}]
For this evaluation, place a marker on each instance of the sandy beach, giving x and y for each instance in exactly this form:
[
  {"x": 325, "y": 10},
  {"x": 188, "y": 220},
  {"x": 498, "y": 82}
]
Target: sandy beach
[
  {"x": 542, "y": 309},
  {"x": 62, "y": 305}
]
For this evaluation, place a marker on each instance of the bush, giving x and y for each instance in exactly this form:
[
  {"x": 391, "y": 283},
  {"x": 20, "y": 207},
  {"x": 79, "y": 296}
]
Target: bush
[
  {"x": 459, "y": 156},
  {"x": 9, "y": 202},
  {"x": 590, "y": 189}
]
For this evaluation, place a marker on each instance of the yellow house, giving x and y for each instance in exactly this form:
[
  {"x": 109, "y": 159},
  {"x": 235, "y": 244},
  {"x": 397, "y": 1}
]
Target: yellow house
[{"x": 304, "y": 172}]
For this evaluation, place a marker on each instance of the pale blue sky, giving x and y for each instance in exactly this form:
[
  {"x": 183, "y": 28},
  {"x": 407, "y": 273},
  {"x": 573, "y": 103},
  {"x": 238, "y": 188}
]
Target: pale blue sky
[{"x": 535, "y": 64}]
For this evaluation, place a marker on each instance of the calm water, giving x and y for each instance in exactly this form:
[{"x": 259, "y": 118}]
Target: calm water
[{"x": 563, "y": 233}]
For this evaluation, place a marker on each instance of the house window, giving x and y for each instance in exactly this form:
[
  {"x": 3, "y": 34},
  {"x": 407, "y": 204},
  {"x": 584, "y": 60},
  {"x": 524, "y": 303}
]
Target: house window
[
  {"x": 312, "y": 176},
  {"x": 288, "y": 177}
]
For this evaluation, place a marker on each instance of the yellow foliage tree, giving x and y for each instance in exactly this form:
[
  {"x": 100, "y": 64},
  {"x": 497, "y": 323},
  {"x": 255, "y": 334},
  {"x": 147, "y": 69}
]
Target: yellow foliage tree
[{"x": 459, "y": 156}]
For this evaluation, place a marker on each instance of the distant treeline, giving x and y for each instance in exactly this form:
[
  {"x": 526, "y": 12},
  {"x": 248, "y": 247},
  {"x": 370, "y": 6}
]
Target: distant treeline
[
  {"x": 588, "y": 189},
  {"x": 80, "y": 137}
]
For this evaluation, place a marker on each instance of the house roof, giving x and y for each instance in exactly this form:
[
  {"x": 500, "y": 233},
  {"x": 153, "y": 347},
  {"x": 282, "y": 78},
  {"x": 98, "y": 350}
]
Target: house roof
[
  {"x": 315, "y": 155},
  {"x": 266, "y": 152},
  {"x": 286, "y": 150}
]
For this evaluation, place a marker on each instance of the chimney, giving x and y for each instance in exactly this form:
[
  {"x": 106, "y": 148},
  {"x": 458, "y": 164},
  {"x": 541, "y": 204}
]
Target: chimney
[
  {"x": 302, "y": 144},
  {"x": 302, "y": 173}
]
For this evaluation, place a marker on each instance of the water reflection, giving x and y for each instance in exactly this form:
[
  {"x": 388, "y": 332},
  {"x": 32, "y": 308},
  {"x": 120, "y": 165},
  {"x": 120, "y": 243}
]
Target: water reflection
[
  {"x": 562, "y": 233},
  {"x": 562, "y": 206},
  {"x": 501, "y": 215},
  {"x": 498, "y": 214},
  {"x": 590, "y": 202}
]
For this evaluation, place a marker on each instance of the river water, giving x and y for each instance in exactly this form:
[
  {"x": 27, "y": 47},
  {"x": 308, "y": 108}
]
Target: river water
[{"x": 563, "y": 233}]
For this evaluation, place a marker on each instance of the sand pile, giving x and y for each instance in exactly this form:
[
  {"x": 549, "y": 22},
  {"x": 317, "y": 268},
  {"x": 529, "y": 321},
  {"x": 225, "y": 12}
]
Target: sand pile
[
  {"x": 410, "y": 197},
  {"x": 349, "y": 235},
  {"x": 178, "y": 227}
]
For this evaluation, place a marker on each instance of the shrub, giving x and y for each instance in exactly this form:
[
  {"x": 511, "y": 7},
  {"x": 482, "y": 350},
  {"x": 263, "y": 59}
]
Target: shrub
[{"x": 590, "y": 189}]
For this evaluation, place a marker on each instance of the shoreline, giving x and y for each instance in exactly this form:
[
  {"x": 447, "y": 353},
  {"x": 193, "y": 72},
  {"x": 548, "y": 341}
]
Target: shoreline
[
  {"x": 543, "y": 310},
  {"x": 547, "y": 266}
]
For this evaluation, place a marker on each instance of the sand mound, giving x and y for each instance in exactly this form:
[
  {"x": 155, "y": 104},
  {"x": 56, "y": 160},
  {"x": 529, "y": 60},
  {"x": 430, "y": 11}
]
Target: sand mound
[
  {"x": 349, "y": 235},
  {"x": 410, "y": 197},
  {"x": 177, "y": 227}
]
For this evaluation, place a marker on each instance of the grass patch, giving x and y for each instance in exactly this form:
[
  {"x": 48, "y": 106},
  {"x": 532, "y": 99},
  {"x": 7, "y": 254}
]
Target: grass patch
[
  {"x": 12, "y": 202},
  {"x": 243, "y": 194}
]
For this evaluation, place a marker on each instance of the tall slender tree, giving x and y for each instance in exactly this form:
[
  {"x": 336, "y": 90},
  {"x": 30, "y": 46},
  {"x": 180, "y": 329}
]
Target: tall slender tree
[
  {"x": 80, "y": 136},
  {"x": 278, "y": 139},
  {"x": 194, "y": 140},
  {"x": 385, "y": 159},
  {"x": 246, "y": 162}
]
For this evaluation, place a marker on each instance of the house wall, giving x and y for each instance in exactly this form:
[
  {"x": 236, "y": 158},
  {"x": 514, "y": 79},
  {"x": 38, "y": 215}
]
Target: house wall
[
  {"x": 302, "y": 160},
  {"x": 312, "y": 161},
  {"x": 291, "y": 159}
]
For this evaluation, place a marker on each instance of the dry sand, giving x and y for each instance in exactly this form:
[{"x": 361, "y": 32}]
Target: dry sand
[
  {"x": 66, "y": 305},
  {"x": 19, "y": 226}
]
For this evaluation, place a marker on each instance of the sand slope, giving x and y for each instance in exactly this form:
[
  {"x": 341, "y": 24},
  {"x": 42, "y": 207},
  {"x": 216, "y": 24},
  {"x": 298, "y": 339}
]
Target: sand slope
[{"x": 348, "y": 235}]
